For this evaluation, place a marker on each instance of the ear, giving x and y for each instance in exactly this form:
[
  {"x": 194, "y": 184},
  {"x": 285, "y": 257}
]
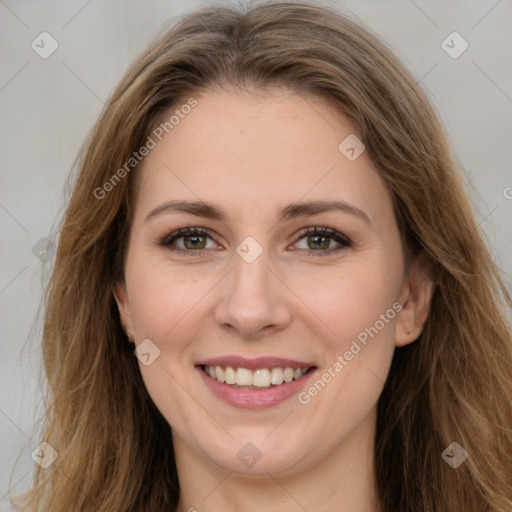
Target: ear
[
  {"x": 415, "y": 298},
  {"x": 123, "y": 305}
]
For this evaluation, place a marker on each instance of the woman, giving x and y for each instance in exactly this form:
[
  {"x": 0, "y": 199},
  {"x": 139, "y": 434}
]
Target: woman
[{"x": 270, "y": 290}]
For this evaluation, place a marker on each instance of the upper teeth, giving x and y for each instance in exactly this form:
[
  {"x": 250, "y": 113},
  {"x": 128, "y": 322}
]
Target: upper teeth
[{"x": 261, "y": 378}]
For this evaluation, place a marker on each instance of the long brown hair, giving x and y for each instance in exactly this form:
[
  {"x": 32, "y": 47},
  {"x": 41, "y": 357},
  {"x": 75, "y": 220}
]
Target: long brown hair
[{"x": 453, "y": 384}]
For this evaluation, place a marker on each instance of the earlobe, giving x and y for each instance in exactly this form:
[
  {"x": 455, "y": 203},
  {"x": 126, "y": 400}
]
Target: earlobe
[
  {"x": 416, "y": 299},
  {"x": 121, "y": 298}
]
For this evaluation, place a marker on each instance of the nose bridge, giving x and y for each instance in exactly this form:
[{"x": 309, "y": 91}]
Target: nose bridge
[
  {"x": 251, "y": 278},
  {"x": 252, "y": 298}
]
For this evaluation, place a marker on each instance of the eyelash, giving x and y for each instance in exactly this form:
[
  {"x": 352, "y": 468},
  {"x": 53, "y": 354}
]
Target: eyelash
[{"x": 343, "y": 240}]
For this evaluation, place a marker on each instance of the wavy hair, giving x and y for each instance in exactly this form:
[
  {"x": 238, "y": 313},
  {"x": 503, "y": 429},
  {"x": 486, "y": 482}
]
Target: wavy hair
[{"x": 453, "y": 384}]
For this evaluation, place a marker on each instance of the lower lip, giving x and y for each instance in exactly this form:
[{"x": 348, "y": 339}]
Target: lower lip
[{"x": 255, "y": 398}]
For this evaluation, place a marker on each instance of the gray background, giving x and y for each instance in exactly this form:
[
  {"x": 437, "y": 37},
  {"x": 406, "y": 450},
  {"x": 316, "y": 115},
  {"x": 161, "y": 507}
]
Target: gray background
[{"x": 49, "y": 105}]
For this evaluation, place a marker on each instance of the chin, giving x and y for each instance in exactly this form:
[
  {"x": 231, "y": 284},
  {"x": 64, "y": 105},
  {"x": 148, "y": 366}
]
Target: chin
[{"x": 258, "y": 453}]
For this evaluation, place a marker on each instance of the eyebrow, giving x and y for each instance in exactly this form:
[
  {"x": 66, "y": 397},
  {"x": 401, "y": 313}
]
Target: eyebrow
[{"x": 291, "y": 211}]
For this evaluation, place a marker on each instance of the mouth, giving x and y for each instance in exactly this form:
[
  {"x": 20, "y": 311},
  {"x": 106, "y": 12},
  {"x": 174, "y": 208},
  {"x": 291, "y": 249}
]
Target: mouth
[
  {"x": 262, "y": 378},
  {"x": 255, "y": 383}
]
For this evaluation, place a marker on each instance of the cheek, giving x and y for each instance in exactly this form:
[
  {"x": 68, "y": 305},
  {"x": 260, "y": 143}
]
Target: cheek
[
  {"x": 348, "y": 299},
  {"x": 356, "y": 312},
  {"x": 164, "y": 299},
  {"x": 165, "y": 305}
]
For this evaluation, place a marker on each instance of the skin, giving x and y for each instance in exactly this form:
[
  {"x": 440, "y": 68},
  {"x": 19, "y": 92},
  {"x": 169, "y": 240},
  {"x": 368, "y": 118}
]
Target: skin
[{"x": 251, "y": 154}]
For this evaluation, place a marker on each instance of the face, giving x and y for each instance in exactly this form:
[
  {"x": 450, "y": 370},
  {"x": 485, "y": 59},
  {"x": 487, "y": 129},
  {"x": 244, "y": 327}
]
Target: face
[{"x": 290, "y": 262}]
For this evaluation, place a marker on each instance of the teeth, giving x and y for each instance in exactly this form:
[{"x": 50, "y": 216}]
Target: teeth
[
  {"x": 261, "y": 378},
  {"x": 221, "y": 374},
  {"x": 276, "y": 376},
  {"x": 288, "y": 374},
  {"x": 230, "y": 375},
  {"x": 243, "y": 377}
]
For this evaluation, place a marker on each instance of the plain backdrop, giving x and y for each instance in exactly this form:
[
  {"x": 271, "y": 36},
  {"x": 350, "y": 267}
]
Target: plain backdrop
[{"x": 49, "y": 105}]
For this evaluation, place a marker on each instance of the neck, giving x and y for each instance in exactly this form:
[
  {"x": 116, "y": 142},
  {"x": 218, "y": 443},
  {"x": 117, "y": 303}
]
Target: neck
[{"x": 343, "y": 480}]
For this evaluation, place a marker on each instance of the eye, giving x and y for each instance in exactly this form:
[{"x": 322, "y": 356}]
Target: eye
[
  {"x": 195, "y": 241},
  {"x": 189, "y": 240},
  {"x": 319, "y": 241}
]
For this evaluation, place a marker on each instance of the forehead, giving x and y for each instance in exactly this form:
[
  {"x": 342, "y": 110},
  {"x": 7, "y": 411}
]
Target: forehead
[{"x": 246, "y": 151}]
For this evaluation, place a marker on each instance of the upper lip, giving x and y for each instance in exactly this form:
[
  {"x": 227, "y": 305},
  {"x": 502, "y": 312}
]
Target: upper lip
[{"x": 255, "y": 364}]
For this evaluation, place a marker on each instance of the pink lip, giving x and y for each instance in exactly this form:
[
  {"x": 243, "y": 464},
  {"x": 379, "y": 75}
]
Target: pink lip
[
  {"x": 255, "y": 364},
  {"x": 255, "y": 398}
]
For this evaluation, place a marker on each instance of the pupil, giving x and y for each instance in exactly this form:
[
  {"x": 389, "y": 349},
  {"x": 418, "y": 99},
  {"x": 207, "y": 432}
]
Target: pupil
[
  {"x": 195, "y": 241},
  {"x": 318, "y": 239}
]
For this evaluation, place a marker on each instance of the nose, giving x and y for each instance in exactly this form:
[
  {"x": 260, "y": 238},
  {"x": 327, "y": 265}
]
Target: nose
[{"x": 253, "y": 300}]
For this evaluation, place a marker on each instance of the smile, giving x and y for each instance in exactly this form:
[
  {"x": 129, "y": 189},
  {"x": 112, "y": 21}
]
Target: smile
[
  {"x": 254, "y": 383},
  {"x": 262, "y": 378}
]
